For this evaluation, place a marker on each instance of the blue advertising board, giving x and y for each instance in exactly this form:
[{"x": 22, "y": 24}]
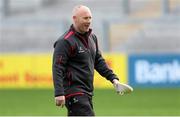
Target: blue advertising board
[{"x": 154, "y": 70}]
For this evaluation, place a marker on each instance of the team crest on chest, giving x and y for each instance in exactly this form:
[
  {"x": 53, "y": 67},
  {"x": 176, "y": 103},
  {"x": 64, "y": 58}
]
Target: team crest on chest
[{"x": 81, "y": 50}]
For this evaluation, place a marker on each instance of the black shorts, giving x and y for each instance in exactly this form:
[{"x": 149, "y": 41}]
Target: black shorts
[{"x": 80, "y": 105}]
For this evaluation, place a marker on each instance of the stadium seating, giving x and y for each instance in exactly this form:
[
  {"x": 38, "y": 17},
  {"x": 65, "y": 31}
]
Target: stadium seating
[{"x": 36, "y": 30}]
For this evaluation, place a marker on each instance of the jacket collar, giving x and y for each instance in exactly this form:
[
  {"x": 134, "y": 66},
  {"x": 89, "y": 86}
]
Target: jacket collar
[{"x": 86, "y": 34}]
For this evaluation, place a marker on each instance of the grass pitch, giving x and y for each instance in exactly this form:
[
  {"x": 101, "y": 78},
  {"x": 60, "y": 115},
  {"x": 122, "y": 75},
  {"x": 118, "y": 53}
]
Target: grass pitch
[{"x": 142, "y": 102}]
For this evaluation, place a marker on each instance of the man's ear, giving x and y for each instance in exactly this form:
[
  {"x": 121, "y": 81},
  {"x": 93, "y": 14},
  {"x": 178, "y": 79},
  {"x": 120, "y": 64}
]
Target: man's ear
[{"x": 74, "y": 17}]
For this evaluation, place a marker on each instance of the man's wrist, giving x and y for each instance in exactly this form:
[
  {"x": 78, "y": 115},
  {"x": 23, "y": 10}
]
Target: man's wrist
[
  {"x": 115, "y": 81},
  {"x": 58, "y": 93}
]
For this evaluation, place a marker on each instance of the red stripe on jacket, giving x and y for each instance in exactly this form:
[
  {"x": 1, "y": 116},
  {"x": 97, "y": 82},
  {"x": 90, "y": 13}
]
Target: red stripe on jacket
[{"x": 68, "y": 34}]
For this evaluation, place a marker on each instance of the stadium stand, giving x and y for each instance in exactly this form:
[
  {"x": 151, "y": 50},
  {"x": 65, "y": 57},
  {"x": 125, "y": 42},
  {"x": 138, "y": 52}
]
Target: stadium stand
[
  {"x": 149, "y": 31},
  {"x": 37, "y": 24},
  {"x": 152, "y": 36}
]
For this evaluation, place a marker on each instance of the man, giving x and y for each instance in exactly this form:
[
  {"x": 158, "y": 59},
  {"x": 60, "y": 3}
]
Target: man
[{"x": 76, "y": 55}]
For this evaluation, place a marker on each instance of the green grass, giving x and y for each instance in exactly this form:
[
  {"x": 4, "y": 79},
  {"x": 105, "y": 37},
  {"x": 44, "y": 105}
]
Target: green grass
[{"x": 147, "y": 102}]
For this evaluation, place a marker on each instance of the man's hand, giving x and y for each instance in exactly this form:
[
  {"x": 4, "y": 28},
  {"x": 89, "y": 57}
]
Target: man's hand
[
  {"x": 60, "y": 101},
  {"x": 122, "y": 88}
]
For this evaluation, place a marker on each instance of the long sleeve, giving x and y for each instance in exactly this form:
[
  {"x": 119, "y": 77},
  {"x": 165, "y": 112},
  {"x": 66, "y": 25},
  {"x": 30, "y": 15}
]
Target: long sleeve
[
  {"x": 60, "y": 58},
  {"x": 101, "y": 66}
]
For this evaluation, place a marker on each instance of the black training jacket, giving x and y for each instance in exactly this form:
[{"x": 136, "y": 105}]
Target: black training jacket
[{"x": 74, "y": 59}]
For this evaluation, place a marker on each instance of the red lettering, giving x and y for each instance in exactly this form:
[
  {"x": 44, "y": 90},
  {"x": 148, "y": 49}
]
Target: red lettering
[
  {"x": 12, "y": 78},
  {"x": 109, "y": 63},
  {"x": 37, "y": 79}
]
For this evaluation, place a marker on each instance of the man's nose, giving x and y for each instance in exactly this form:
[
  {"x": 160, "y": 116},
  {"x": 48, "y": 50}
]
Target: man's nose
[{"x": 88, "y": 21}]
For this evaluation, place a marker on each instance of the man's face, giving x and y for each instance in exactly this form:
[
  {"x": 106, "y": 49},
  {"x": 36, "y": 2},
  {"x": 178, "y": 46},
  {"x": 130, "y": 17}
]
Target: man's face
[{"x": 83, "y": 20}]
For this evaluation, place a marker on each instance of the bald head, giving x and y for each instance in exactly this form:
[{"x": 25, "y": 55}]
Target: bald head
[
  {"x": 79, "y": 9},
  {"x": 81, "y": 16}
]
